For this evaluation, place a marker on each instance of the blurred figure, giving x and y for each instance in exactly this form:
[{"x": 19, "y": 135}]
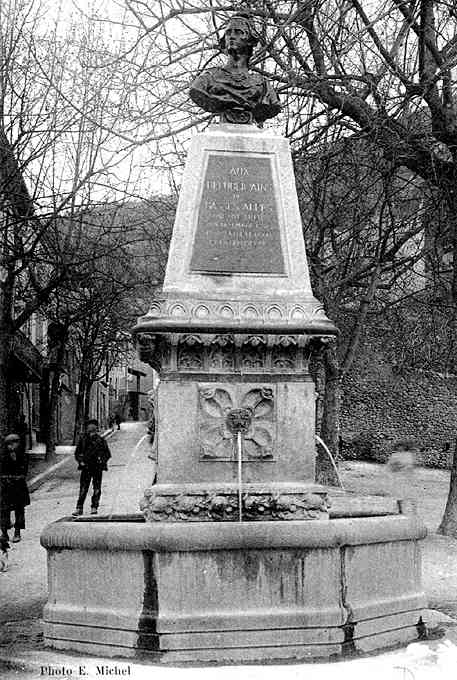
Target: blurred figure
[
  {"x": 14, "y": 494},
  {"x": 403, "y": 456},
  {"x": 117, "y": 420},
  {"x": 401, "y": 465}
]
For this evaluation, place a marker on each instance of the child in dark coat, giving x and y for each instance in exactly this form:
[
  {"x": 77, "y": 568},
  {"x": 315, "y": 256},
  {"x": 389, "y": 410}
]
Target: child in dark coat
[{"x": 92, "y": 454}]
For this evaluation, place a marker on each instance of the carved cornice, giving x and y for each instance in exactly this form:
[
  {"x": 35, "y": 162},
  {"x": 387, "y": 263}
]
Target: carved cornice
[
  {"x": 227, "y": 353},
  {"x": 187, "y": 314}
]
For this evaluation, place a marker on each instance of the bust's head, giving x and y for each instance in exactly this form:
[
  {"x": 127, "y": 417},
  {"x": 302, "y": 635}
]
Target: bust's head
[{"x": 239, "y": 36}]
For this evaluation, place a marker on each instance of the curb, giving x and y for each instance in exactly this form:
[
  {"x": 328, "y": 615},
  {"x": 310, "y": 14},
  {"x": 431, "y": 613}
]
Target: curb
[{"x": 35, "y": 483}]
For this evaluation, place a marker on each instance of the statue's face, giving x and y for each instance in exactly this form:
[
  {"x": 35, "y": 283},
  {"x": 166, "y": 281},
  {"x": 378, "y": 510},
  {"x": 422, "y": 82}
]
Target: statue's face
[{"x": 236, "y": 36}]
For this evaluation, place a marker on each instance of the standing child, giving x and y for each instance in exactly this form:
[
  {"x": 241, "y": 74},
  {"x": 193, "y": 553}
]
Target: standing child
[{"x": 92, "y": 454}]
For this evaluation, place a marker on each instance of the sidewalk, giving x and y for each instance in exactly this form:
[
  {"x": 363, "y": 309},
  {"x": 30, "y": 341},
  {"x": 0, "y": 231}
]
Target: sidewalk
[{"x": 24, "y": 591}]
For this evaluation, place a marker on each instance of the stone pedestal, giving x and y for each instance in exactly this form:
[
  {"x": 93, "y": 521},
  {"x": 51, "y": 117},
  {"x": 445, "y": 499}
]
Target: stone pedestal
[{"x": 233, "y": 331}]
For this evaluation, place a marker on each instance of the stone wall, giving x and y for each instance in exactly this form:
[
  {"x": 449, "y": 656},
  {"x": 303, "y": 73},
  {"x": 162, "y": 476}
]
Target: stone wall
[{"x": 381, "y": 406}]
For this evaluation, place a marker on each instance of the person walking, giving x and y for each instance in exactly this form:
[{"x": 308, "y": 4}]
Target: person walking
[
  {"x": 401, "y": 466},
  {"x": 14, "y": 494},
  {"x": 117, "y": 420},
  {"x": 92, "y": 454}
]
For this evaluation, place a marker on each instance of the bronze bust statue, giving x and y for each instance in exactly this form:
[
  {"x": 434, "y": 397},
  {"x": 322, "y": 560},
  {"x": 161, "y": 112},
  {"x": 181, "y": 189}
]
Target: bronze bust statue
[{"x": 234, "y": 92}]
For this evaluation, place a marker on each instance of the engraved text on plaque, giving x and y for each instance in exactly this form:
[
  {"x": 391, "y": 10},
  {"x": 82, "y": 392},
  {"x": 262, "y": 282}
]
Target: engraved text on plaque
[{"x": 238, "y": 228}]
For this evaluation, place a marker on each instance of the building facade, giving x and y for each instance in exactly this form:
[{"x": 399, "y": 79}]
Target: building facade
[{"x": 122, "y": 390}]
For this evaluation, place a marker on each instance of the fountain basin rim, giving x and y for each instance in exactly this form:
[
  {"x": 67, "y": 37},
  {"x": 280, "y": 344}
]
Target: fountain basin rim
[{"x": 196, "y": 536}]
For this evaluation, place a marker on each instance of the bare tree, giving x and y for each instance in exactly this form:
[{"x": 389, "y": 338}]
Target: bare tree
[
  {"x": 118, "y": 259},
  {"x": 363, "y": 231},
  {"x": 60, "y": 160},
  {"x": 383, "y": 71}
]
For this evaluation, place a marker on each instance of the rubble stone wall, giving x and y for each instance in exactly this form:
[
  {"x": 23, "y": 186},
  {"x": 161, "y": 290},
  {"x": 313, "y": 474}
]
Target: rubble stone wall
[{"x": 381, "y": 406}]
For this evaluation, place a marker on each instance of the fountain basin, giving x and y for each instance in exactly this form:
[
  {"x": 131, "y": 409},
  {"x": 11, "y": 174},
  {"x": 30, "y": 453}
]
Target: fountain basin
[{"x": 224, "y": 591}]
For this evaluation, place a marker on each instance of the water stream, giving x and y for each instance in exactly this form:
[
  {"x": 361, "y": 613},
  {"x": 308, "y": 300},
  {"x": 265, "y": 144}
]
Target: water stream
[
  {"x": 239, "y": 446},
  {"x": 138, "y": 472}
]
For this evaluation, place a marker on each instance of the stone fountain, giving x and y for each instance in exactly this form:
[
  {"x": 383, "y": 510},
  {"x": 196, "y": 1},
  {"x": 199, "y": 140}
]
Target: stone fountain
[{"x": 238, "y": 555}]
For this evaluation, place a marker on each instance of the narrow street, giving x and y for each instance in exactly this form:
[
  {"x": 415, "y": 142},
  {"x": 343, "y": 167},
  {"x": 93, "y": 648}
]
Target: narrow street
[{"x": 23, "y": 588}]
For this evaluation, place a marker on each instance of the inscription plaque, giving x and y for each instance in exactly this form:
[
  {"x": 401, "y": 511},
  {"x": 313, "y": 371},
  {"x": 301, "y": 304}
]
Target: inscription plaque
[{"x": 237, "y": 226}]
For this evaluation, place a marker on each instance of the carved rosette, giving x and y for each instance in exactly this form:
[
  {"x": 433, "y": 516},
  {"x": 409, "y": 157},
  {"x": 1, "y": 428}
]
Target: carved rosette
[
  {"x": 216, "y": 402},
  {"x": 221, "y": 505}
]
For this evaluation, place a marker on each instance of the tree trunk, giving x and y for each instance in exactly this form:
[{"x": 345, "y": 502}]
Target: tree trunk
[
  {"x": 330, "y": 425},
  {"x": 44, "y": 406},
  {"x": 317, "y": 370},
  {"x": 6, "y": 346},
  {"x": 87, "y": 400},
  {"x": 356, "y": 333},
  {"x": 82, "y": 405},
  {"x": 79, "y": 412},
  {"x": 448, "y": 525},
  {"x": 58, "y": 355},
  {"x": 5, "y": 388}
]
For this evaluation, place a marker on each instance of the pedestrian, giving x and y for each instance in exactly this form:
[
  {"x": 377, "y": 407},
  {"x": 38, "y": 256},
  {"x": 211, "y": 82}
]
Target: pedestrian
[
  {"x": 14, "y": 494},
  {"x": 92, "y": 454},
  {"x": 403, "y": 456},
  {"x": 117, "y": 420},
  {"x": 401, "y": 465}
]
